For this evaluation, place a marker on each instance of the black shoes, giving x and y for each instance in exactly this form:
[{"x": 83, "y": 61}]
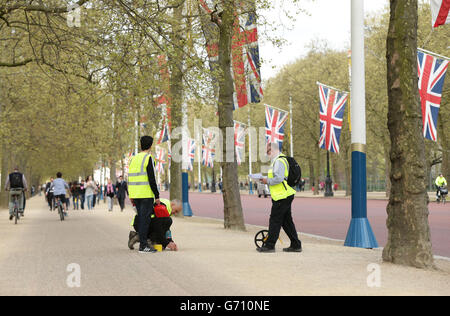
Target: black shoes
[
  {"x": 290, "y": 249},
  {"x": 265, "y": 249},
  {"x": 147, "y": 250}
]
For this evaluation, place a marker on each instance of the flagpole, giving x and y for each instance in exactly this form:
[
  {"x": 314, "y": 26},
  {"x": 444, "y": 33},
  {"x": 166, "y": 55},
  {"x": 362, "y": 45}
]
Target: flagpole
[
  {"x": 200, "y": 147},
  {"x": 250, "y": 184},
  {"x": 292, "y": 128},
  {"x": 350, "y": 87},
  {"x": 187, "y": 210},
  {"x": 360, "y": 233}
]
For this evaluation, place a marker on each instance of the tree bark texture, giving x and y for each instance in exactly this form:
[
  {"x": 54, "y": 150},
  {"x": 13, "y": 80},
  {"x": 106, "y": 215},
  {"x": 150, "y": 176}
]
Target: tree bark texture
[
  {"x": 233, "y": 215},
  {"x": 409, "y": 240}
]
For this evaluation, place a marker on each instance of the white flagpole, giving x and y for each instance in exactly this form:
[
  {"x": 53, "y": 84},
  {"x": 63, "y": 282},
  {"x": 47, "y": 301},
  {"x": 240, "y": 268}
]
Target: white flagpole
[
  {"x": 292, "y": 128},
  {"x": 250, "y": 166},
  {"x": 200, "y": 148}
]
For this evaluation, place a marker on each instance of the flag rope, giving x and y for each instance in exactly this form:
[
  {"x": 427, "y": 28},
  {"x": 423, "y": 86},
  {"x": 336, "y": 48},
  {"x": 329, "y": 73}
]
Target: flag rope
[
  {"x": 433, "y": 54},
  {"x": 338, "y": 90}
]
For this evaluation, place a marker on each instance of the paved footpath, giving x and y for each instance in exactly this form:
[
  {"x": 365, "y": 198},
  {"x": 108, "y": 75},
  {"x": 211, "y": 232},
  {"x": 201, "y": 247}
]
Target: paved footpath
[{"x": 36, "y": 253}]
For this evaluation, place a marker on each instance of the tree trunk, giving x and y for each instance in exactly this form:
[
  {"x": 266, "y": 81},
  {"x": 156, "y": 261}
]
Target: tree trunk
[
  {"x": 176, "y": 97},
  {"x": 233, "y": 215},
  {"x": 317, "y": 171},
  {"x": 311, "y": 173},
  {"x": 387, "y": 170},
  {"x": 445, "y": 149},
  {"x": 409, "y": 232}
]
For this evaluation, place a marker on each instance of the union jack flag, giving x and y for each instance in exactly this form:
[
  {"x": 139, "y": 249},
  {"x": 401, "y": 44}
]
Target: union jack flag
[
  {"x": 191, "y": 147},
  {"x": 208, "y": 150},
  {"x": 160, "y": 159},
  {"x": 440, "y": 12},
  {"x": 332, "y": 108},
  {"x": 431, "y": 82},
  {"x": 240, "y": 130},
  {"x": 163, "y": 135},
  {"x": 246, "y": 67},
  {"x": 275, "y": 123}
]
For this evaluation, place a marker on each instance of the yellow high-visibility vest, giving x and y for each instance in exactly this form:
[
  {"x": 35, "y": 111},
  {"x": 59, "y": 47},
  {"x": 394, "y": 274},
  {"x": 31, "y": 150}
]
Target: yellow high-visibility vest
[
  {"x": 138, "y": 182},
  {"x": 282, "y": 190},
  {"x": 440, "y": 181}
]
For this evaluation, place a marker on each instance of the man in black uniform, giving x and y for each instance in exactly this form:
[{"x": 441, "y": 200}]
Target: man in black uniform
[{"x": 121, "y": 192}]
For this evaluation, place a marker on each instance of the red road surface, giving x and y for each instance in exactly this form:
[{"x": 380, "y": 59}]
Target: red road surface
[{"x": 326, "y": 217}]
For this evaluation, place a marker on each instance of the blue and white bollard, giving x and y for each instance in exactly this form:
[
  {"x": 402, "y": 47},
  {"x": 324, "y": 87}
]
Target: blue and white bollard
[
  {"x": 187, "y": 211},
  {"x": 360, "y": 233}
]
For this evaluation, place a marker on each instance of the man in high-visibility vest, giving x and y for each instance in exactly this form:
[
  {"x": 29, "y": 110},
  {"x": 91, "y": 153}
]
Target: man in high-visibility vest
[
  {"x": 143, "y": 190},
  {"x": 440, "y": 182},
  {"x": 282, "y": 198}
]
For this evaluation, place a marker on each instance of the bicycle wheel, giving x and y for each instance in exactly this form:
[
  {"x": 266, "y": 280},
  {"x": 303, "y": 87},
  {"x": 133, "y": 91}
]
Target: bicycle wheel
[
  {"x": 16, "y": 215},
  {"x": 61, "y": 212}
]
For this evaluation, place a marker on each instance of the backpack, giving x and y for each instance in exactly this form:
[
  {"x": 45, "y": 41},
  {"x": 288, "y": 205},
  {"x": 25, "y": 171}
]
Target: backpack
[
  {"x": 15, "y": 180},
  {"x": 295, "y": 172}
]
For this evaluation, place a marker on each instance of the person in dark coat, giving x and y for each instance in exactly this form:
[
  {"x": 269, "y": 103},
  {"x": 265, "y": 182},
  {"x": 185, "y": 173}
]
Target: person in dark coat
[{"x": 121, "y": 192}]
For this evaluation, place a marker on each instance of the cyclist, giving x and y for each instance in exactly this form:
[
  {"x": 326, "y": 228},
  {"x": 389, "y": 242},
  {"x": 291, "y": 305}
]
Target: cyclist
[
  {"x": 440, "y": 182},
  {"x": 16, "y": 182},
  {"x": 59, "y": 187}
]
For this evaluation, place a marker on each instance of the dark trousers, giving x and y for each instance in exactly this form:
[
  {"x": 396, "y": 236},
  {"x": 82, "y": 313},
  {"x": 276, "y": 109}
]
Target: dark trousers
[
  {"x": 158, "y": 229},
  {"x": 121, "y": 202},
  {"x": 144, "y": 209},
  {"x": 82, "y": 199},
  {"x": 281, "y": 217},
  {"x": 50, "y": 199}
]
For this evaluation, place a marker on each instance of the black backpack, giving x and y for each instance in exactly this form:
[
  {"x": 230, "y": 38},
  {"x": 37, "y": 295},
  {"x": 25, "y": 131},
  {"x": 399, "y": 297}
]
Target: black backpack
[
  {"x": 15, "y": 180},
  {"x": 295, "y": 172}
]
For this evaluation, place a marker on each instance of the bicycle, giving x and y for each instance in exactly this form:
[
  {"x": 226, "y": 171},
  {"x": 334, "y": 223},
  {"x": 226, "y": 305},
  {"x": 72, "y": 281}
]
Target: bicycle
[
  {"x": 16, "y": 195},
  {"x": 60, "y": 208}
]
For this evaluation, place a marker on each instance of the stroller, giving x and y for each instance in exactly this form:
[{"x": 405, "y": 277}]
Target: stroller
[{"x": 442, "y": 196}]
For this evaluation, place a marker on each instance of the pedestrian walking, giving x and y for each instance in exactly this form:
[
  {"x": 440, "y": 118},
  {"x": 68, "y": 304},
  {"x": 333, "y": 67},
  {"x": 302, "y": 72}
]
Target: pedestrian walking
[
  {"x": 90, "y": 189},
  {"x": 121, "y": 192},
  {"x": 282, "y": 198},
  {"x": 144, "y": 190},
  {"x": 82, "y": 194},
  {"x": 75, "y": 191},
  {"x": 94, "y": 198},
  {"x": 110, "y": 193}
]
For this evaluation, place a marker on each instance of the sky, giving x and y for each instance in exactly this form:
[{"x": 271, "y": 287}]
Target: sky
[{"x": 325, "y": 20}]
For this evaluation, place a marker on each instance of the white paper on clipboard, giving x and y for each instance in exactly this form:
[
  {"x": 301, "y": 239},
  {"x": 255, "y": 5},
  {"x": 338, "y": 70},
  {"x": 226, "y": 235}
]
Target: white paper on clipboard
[{"x": 256, "y": 176}]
